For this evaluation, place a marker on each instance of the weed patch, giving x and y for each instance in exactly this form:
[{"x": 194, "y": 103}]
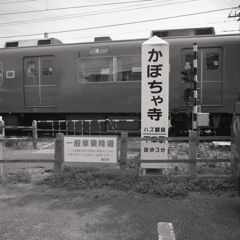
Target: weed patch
[
  {"x": 131, "y": 183},
  {"x": 18, "y": 177}
]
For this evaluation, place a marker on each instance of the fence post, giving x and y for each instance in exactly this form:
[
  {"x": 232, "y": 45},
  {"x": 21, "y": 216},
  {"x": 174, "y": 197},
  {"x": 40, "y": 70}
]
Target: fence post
[
  {"x": 2, "y": 130},
  {"x": 192, "y": 153},
  {"x": 1, "y": 158},
  {"x": 2, "y": 133},
  {"x": 58, "y": 156},
  {"x": 123, "y": 152},
  {"x": 2, "y": 124},
  {"x": 34, "y": 133}
]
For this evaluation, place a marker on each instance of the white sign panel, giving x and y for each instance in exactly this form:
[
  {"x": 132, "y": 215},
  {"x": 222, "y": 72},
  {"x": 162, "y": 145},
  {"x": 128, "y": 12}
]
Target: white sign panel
[
  {"x": 91, "y": 149},
  {"x": 155, "y": 100}
]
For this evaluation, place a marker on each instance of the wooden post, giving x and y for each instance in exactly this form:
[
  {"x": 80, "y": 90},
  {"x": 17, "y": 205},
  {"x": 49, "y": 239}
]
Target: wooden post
[
  {"x": 58, "y": 156},
  {"x": 1, "y": 157},
  {"x": 3, "y": 129},
  {"x": 192, "y": 153},
  {"x": 34, "y": 133},
  {"x": 123, "y": 152},
  {"x": 1, "y": 147}
]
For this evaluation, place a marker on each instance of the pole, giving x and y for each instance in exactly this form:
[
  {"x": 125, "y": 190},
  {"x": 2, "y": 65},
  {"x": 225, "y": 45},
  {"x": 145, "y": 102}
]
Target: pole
[
  {"x": 45, "y": 35},
  {"x": 34, "y": 133},
  {"x": 123, "y": 152},
  {"x": 58, "y": 155},
  {"x": 1, "y": 148},
  {"x": 192, "y": 153},
  {"x": 195, "y": 94},
  {"x": 1, "y": 158}
]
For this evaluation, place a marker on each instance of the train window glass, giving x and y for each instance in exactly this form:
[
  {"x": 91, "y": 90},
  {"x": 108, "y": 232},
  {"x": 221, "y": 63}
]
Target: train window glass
[
  {"x": 129, "y": 68},
  {"x": 188, "y": 61},
  {"x": 31, "y": 69},
  {"x": 212, "y": 61},
  {"x": 1, "y": 74},
  {"x": 47, "y": 67},
  {"x": 96, "y": 69}
]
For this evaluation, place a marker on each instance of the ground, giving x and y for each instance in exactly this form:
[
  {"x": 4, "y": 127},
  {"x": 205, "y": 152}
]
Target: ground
[
  {"x": 97, "y": 202},
  {"x": 43, "y": 211}
]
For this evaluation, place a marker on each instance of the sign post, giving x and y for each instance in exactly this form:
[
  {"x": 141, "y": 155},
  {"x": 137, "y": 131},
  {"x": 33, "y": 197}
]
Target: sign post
[{"x": 155, "y": 101}]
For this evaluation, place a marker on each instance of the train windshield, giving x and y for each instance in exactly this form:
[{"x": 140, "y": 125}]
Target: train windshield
[{"x": 110, "y": 69}]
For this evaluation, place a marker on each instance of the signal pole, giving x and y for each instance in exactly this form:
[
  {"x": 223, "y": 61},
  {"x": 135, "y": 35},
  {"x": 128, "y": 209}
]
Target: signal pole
[
  {"x": 191, "y": 94},
  {"x": 195, "y": 94}
]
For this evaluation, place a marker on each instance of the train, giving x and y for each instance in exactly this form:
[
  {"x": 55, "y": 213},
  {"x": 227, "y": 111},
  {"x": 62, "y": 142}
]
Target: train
[{"x": 45, "y": 79}]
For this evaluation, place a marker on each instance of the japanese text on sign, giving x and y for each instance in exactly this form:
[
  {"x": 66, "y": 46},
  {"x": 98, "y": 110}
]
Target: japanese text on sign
[
  {"x": 153, "y": 72},
  {"x": 155, "y": 100},
  {"x": 90, "y": 149}
]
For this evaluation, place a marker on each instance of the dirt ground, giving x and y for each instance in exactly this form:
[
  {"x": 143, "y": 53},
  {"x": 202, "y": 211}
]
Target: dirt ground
[
  {"x": 33, "y": 211},
  {"x": 40, "y": 209}
]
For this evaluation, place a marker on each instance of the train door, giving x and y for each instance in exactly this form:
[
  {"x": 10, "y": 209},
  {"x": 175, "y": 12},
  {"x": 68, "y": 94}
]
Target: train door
[
  {"x": 210, "y": 75},
  {"x": 39, "y": 82}
]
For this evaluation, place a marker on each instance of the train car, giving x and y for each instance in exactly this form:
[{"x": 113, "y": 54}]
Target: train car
[{"x": 48, "y": 80}]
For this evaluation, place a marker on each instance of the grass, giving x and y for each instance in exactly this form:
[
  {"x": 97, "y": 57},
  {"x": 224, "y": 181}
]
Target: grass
[
  {"x": 205, "y": 150},
  {"x": 112, "y": 181},
  {"x": 22, "y": 176},
  {"x": 133, "y": 184}
]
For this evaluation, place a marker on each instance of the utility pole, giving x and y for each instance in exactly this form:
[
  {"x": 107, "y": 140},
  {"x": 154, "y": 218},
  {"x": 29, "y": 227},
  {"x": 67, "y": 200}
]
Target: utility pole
[{"x": 235, "y": 12}]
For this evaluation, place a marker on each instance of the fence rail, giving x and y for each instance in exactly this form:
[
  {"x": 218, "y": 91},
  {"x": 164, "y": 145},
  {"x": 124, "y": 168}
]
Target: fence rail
[
  {"x": 84, "y": 126},
  {"x": 123, "y": 161}
]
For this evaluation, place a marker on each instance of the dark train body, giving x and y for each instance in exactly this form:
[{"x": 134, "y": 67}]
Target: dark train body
[{"x": 102, "y": 80}]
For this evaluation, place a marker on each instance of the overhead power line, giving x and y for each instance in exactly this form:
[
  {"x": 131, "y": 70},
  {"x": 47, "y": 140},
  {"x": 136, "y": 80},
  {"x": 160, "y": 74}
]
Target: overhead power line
[
  {"x": 91, "y": 13},
  {"x": 144, "y": 30},
  {"x": 67, "y": 8},
  {"x": 121, "y": 24},
  {"x": 18, "y": 2}
]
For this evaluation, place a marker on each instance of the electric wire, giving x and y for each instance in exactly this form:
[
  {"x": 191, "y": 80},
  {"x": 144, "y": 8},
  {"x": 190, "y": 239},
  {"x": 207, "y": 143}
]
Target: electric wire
[
  {"x": 19, "y": 2},
  {"x": 149, "y": 30},
  {"x": 88, "y": 14},
  {"x": 121, "y": 24},
  {"x": 75, "y": 7}
]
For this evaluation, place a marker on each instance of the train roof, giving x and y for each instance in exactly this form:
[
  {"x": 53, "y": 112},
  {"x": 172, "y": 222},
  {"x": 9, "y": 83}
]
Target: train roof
[
  {"x": 174, "y": 34},
  {"x": 183, "y": 32},
  {"x": 33, "y": 42}
]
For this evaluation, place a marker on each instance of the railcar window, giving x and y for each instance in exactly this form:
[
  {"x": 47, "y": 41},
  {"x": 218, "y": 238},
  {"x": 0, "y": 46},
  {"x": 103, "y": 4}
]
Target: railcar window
[
  {"x": 110, "y": 69},
  {"x": 96, "y": 69},
  {"x": 31, "y": 69},
  {"x": 212, "y": 61},
  {"x": 129, "y": 68},
  {"x": 1, "y": 74},
  {"x": 47, "y": 68},
  {"x": 188, "y": 61}
]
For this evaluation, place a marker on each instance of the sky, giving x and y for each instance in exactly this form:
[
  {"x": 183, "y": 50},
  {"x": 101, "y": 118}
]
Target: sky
[{"x": 81, "y": 20}]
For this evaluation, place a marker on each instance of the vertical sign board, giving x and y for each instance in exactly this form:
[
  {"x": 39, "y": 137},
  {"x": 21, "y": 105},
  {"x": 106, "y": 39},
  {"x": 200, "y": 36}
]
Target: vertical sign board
[
  {"x": 155, "y": 100},
  {"x": 92, "y": 149}
]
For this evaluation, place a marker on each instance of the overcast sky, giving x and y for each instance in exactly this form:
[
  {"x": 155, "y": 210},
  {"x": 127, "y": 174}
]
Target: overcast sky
[{"x": 82, "y": 20}]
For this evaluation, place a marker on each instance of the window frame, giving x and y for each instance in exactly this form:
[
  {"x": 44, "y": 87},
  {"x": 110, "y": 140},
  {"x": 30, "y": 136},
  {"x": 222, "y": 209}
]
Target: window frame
[
  {"x": 51, "y": 67},
  {"x": 31, "y": 74},
  {"x": 218, "y": 60},
  {"x": 115, "y": 67}
]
